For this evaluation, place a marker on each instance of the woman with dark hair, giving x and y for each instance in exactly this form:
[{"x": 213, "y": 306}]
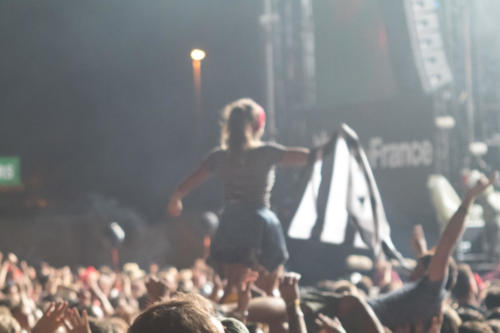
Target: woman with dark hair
[{"x": 249, "y": 234}]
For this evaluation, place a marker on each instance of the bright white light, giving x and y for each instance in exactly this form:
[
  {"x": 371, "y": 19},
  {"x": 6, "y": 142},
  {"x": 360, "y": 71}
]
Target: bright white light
[
  {"x": 444, "y": 122},
  {"x": 478, "y": 148},
  {"x": 197, "y": 54}
]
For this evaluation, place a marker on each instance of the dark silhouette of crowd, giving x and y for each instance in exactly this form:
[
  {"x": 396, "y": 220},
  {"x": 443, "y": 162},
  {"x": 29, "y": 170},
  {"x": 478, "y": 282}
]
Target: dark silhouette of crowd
[{"x": 437, "y": 296}]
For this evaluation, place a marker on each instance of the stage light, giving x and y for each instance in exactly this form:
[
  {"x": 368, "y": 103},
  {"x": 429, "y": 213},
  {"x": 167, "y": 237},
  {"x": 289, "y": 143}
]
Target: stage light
[
  {"x": 444, "y": 122},
  {"x": 197, "y": 54},
  {"x": 478, "y": 148}
]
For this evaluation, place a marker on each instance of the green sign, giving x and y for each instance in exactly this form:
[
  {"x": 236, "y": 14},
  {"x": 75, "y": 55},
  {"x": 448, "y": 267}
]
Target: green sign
[{"x": 10, "y": 171}]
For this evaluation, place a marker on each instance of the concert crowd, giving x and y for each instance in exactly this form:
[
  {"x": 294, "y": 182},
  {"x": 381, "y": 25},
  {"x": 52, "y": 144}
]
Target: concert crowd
[{"x": 438, "y": 295}]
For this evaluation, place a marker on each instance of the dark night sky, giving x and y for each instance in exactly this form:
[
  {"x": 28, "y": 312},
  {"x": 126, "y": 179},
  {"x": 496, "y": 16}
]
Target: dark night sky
[{"x": 97, "y": 95}]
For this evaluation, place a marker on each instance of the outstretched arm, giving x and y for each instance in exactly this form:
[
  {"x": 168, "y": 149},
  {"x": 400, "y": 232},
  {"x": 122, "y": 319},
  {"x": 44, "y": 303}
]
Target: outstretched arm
[
  {"x": 199, "y": 176},
  {"x": 298, "y": 156},
  {"x": 453, "y": 231},
  {"x": 295, "y": 156}
]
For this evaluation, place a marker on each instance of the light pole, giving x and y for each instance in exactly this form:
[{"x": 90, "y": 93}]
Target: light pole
[{"x": 197, "y": 56}]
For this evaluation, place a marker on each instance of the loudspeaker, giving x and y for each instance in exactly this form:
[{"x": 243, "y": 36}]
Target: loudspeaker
[{"x": 427, "y": 44}]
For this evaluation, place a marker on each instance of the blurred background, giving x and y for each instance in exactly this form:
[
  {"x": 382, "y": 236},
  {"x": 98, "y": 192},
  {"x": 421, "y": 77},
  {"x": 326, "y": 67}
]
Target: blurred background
[{"x": 102, "y": 109}]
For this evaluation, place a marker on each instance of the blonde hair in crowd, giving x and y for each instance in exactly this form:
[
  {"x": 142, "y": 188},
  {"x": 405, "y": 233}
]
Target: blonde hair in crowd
[{"x": 240, "y": 128}]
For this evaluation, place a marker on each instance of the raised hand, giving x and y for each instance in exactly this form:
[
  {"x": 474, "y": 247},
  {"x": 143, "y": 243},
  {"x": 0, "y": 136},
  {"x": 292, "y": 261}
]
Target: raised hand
[
  {"x": 289, "y": 288},
  {"x": 482, "y": 184},
  {"x": 157, "y": 290},
  {"x": 12, "y": 258},
  {"x": 51, "y": 319},
  {"x": 244, "y": 290},
  {"x": 175, "y": 206},
  {"x": 76, "y": 324},
  {"x": 329, "y": 325}
]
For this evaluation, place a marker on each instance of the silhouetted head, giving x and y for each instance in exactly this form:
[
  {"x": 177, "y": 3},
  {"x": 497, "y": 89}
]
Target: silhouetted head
[
  {"x": 182, "y": 314},
  {"x": 422, "y": 267},
  {"x": 243, "y": 124}
]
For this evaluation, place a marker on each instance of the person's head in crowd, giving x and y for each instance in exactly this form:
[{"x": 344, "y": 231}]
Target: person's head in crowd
[
  {"x": 243, "y": 124},
  {"x": 494, "y": 325},
  {"x": 169, "y": 275},
  {"x": 494, "y": 313},
  {"x": 451, "y": 321},
  {"x": 232, "y": 325},
  {"x": 100, "y": 326},
  {"x": 465, "y": 290},
  {"x": 185, "y": 283},
  {"x": 345, "y": 287},
  {"x": 475, "y": 327},
  {"x": 4, "y": 311},
  {"x": 12, "y": 293},
  {"x": 105, "y": 281},
  {"x": 469, "y": 314},
  {"x": 492, "y": 299},
  {"x": 9, "y": 324},
  {"x": 182, "y": 314},
  {"x": 365, "y": 285},
  {"x": 84, "y": 298},
  {"x": 5, "y": 304},
  {"x": 200, "y": 273},
  {"x": 23, "y": 316},
  {"x": 110, "y": 325},
  {"x": 118, "y": 325},
  {"x": 389, "y": 287},
  {"x": 422, "y": 266}
]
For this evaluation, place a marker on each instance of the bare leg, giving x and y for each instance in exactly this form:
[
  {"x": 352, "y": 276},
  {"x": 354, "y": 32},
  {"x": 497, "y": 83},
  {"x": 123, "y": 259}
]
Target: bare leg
[
  {"x": 269, "y": 310},
  {"x": 269, "y": 281},
  {"x": 234, "y": 274}
]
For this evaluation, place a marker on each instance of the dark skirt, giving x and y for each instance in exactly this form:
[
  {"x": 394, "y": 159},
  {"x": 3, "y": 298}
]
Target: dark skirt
[{"x": 249, "y": 236}]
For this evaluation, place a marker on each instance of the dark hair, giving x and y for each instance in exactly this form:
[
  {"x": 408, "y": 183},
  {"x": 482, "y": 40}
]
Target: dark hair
[
  {"x": 450, "y": 324},
  {"x": 469, "y": 314},
  {"x": 240, "y": 121},
  {"x": 232, "y": 325},
  {"x": 494, "y": 313},
  {"x": 492, "y": 299},
  {"x": 365, "y": 284},
  {"x": 452, "y": 269},
  {"x": 183, "y": 314},
  {"x": 462, "y": 286}
]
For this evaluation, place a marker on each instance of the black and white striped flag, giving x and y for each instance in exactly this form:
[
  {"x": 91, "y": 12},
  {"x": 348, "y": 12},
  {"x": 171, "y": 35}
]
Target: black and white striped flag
[{"x": 341, "y": 193}]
